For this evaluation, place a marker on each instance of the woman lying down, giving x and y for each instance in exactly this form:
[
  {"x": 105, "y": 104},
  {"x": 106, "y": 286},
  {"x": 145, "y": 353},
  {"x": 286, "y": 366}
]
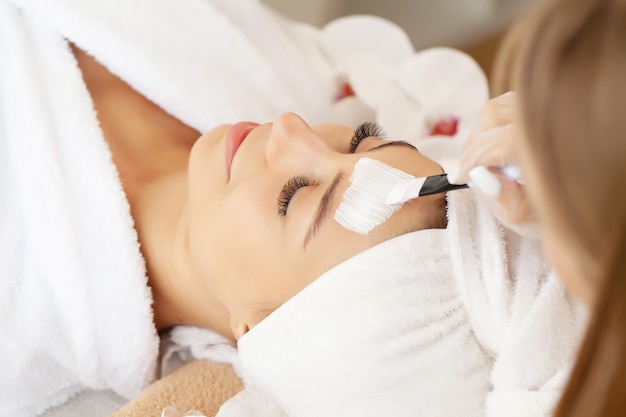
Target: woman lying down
[
  {"x": 118, "y": 223},
  {"x": 439, "y": 310}
]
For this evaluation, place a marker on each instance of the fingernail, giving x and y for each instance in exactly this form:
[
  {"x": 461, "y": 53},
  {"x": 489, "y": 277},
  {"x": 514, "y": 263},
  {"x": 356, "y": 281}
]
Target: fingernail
[
  {"x": 485, "y": 181},
  {"x": 512, "y": 172},
  {"x": 170, "y": 412},
  {"x": 453, "y": 174}
]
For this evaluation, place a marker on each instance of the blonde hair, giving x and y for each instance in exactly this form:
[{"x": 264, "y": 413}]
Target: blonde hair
[{"x": 567, "y": 60}]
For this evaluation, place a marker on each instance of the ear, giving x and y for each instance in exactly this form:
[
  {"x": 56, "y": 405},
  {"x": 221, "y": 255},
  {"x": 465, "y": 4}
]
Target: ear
[{"x": 238, "y": 327}]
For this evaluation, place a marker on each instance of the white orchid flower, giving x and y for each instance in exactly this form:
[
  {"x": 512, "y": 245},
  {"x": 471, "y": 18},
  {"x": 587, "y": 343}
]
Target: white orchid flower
[{"x": 415, "y": 96}]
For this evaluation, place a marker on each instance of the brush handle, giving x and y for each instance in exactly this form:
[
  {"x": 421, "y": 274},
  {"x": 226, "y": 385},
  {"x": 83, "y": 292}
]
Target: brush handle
[{"x": 439, "y": 184}]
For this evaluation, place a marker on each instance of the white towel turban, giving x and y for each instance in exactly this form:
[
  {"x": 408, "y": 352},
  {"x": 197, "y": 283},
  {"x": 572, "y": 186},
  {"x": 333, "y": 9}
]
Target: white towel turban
[{"x": 463, "y": 321}]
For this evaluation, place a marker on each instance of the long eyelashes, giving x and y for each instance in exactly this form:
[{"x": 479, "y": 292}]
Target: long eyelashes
[
  {"x": 288, "y": 191},
  {"x": 365, "y": 130}
]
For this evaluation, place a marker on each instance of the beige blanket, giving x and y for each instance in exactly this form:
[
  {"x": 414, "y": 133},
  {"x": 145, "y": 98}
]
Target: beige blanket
[{"x": 200, "y": 385}]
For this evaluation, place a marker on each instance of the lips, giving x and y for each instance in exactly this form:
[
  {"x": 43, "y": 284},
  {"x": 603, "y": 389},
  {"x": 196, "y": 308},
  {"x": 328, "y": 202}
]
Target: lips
[{"x": 234, "y": 137}]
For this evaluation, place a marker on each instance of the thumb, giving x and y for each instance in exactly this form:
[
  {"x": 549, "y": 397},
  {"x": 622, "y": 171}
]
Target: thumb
[{"x": 506, "y": 198}]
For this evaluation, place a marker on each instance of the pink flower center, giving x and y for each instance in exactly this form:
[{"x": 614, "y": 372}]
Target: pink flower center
[
  {"x": 446, "y": 126},
  {"x": 345, "y": 90}
]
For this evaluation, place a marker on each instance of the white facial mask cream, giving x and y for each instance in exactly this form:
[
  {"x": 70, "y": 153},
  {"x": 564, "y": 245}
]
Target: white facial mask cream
[{"x": 364, "y": 205}]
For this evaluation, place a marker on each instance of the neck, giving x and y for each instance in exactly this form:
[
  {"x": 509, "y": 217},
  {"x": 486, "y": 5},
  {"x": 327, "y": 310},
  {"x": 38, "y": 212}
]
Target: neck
[{"x": 179, "y": 295}]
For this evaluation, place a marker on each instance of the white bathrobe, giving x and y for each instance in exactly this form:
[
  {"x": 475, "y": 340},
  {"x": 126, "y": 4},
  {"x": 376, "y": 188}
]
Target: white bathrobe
[{"x": 75, "y": 308}]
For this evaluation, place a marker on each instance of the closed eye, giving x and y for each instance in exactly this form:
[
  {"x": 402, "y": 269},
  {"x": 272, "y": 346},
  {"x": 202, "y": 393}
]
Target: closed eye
[
  {"x": 289, "y": 190},
  {"x": 365, "y": 130}
]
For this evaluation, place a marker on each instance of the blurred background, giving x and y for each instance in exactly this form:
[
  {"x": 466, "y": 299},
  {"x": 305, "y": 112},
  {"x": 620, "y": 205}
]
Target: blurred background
[{"x": 475, "y": 26}]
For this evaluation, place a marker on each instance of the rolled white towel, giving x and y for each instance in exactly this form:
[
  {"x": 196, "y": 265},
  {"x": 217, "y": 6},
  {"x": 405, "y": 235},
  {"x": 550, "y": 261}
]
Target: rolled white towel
[{"x": 463, "y": 321}]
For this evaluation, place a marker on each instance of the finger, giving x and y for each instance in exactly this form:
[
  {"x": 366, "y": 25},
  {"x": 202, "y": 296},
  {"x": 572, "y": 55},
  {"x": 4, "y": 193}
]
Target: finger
[
  {"x": 507, "y": 106},
  {"x": 489, "y": 148},
  {"x": 506, "y": 198},
  {"x": 498, "y": 111},
  {"x": 513, "y": 201}
]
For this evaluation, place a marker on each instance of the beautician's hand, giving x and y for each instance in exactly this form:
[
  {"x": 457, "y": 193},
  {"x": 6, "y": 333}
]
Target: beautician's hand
[{"x": 489, "y": 164}]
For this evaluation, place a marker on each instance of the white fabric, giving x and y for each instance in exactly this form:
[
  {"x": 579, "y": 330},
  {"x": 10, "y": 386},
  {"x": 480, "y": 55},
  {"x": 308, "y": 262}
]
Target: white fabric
[
  {"x": 185, "y": 343},
  {"x": 75, "y": 309},
  {"x": 466, "y": 321},
  {"x": 89, "y": 403}
]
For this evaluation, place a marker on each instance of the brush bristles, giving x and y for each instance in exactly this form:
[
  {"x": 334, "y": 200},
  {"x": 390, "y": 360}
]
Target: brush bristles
[
  {"x": 405, "y": 190},
  {"x": 364, "y": 206}
]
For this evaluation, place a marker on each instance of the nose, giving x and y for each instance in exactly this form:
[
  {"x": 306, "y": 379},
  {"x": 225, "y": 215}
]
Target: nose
[{"x": 293, "y": 145}]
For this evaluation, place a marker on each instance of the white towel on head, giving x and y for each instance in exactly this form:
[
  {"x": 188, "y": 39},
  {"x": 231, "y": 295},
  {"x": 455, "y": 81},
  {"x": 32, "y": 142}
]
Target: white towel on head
[
  {"x": 466, "y": 321},
  {"x": 75, "y": 310}
]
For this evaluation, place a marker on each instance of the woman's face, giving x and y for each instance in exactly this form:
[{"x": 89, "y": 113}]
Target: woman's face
[{"x": 260, "y": 215}]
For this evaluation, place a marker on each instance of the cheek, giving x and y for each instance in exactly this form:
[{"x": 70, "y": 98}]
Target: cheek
[
  {"x": 533, "y": 184},
  {"x": 566, "y": 264},
  {"x": 563, "y": 258},
  {"x": 334, "y": 245},
  {"x": 235, "y": 221},
  {"x": 229, "y": 231}
]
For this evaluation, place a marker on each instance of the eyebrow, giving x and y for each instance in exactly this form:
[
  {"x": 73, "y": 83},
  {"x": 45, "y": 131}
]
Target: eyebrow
[
  {"x": 329, "y": 194},
  {"x": 322, "y": 209},
  {"x": 392, "y": 143}
]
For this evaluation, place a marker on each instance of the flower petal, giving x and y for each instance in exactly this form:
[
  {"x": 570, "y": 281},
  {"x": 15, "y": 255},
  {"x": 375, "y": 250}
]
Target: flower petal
[
  {"x": 370, "y": 78},
  {"x": 443, "y": 148},
  {"x": 351, "y": 112},
  {"x": 370, "y": 35},
  {"x": 446, "y": 82},
  {"x": 307, "y": 37},
  {"x": 400, "y": 117}
]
